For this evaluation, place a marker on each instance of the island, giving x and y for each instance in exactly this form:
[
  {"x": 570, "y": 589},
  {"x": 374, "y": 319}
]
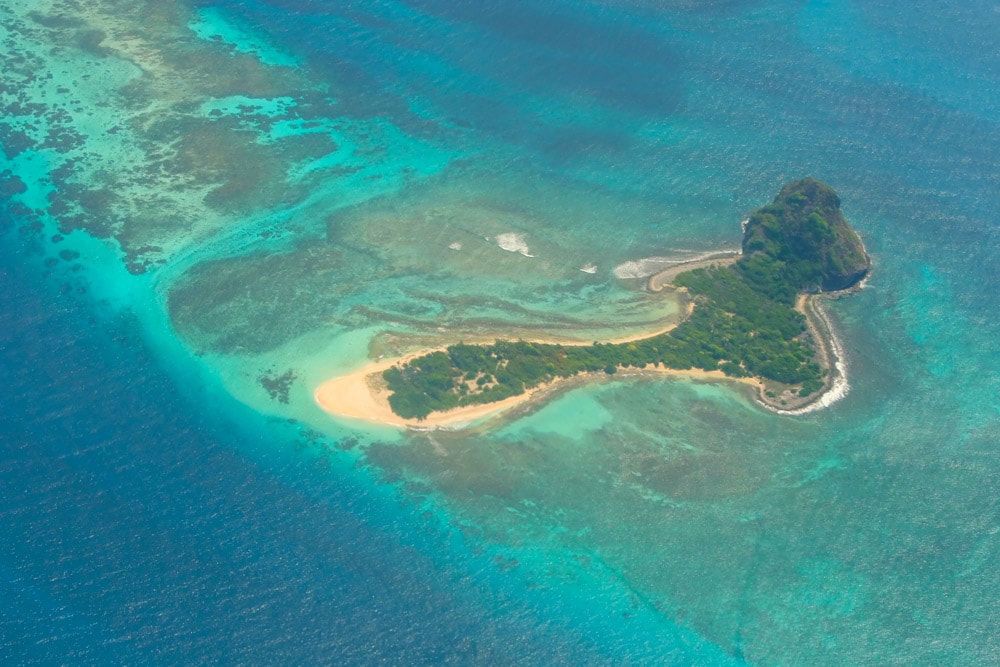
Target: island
[{"x": 750, "y": 318}]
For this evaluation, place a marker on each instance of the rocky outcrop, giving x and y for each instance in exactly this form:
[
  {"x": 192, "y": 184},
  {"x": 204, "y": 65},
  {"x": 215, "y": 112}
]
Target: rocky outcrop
[{"x": 804, "y": 237}]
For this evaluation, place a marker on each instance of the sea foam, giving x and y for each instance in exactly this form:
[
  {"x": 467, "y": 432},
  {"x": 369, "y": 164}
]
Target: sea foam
[
  {"x": 647, "y": 266},
  {"x": 641, "y": 268},
  {"x": 513, "y": 242}
]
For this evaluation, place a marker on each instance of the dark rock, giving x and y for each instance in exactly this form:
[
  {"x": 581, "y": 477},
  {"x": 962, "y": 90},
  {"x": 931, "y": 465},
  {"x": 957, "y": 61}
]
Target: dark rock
[{"x": 805, "y": 231}]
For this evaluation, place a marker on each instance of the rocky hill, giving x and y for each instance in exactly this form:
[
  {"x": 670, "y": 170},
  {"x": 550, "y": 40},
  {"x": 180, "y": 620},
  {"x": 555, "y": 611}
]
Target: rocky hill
[{"x": 802, "y": 241}]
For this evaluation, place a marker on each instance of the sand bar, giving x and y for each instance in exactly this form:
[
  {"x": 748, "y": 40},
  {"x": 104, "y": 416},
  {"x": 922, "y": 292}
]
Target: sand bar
[{"x": 664, "y": 278}]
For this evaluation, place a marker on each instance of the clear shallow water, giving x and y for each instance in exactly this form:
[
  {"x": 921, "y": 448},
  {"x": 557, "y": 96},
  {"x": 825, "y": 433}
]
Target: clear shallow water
[{"x": 278, "y": 187}]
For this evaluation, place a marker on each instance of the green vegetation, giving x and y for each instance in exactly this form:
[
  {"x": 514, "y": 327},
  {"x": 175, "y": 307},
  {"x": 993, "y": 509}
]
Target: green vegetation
[
  {"x": 743, "y": 323},
  {"x": 801, "y": 242}
]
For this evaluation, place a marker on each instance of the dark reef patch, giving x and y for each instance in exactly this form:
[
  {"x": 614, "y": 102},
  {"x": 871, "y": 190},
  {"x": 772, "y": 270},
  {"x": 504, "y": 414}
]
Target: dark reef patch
[{"x": 278, "y": 386}]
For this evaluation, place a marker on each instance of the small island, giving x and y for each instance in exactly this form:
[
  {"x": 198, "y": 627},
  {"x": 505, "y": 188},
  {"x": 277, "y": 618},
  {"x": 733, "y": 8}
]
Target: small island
[{"x": 749, "y": 319}]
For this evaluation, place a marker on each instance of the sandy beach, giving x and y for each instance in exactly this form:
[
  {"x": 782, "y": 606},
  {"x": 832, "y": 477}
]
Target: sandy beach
[{"x": 362, "y": 395}]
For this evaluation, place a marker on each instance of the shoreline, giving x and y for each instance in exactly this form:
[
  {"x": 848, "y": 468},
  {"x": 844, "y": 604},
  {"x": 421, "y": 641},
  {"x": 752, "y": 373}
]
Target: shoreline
[
  {"x": 363, "y": 396},
  {"x": 836, "y": 385},
  {"x": 831, "y": 359}
]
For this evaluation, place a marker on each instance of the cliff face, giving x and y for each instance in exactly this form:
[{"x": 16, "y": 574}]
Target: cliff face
[{"x": 804, "y": 237}]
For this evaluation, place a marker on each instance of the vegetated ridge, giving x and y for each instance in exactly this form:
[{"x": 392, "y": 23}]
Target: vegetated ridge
[{"x": 744, "y": 322}]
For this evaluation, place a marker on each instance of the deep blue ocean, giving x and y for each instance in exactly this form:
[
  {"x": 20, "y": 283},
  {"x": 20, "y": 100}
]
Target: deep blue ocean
[
  {"x": 210, "y": 208},
  {"x": 138, "y": 528}
]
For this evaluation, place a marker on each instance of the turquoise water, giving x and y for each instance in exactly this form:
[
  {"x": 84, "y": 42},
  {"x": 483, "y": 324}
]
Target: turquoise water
[{"x": 264, "y": 190}]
